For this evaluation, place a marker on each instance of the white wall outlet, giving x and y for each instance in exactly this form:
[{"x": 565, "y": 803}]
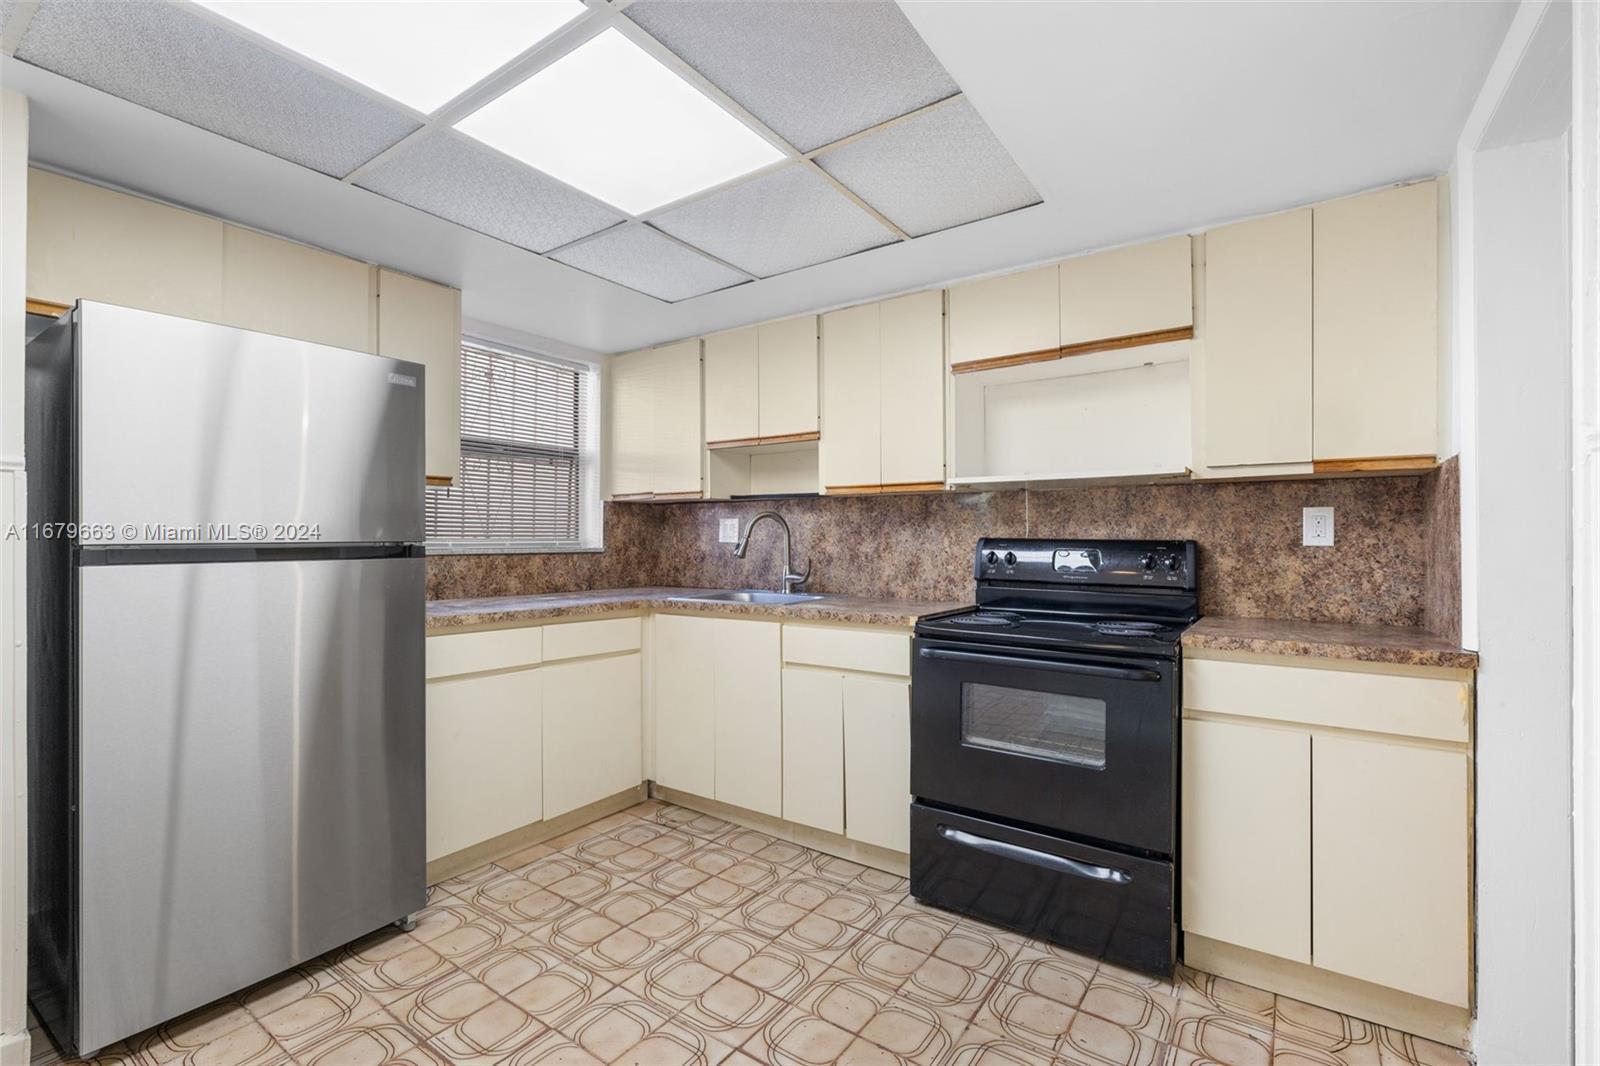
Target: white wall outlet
[
  {"x": 1316, "y": 526},
  {"x": 728, "y": 531}
]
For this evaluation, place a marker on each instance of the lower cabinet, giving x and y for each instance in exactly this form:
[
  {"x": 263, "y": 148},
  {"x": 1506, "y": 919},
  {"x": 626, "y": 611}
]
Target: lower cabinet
[
  {"x": 877, "y": 762},
  {"x": 684, "y": 692},
  {"x": 813, "y": 748},
  {"x": 591, "y": 731},
  {"x": 483, "y": 763}
]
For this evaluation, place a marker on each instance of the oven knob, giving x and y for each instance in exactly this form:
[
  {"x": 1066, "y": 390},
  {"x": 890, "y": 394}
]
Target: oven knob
[
  {"x": 991, "y": 558},
  {"x": 1174, "y": 563},
  {"x": 1011, "y": 558},
  {"x": 1147, "y": 561}
]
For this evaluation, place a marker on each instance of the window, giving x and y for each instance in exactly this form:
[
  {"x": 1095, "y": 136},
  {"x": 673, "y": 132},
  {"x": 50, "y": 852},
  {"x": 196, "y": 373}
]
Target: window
[{"x": 527, "y": 480}]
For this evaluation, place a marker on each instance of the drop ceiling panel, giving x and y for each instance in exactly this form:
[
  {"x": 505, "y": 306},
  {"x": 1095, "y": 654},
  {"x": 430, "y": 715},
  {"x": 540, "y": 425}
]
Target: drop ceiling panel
[
  {"x": 179, "y": 63},
  {"x": 640, "y": 258},
  {"x": 933, "y": 171},
  {"x": 790, "y": 218},
  {"x": 812, "y": 70},
  {"x": 455, "y": 177}
]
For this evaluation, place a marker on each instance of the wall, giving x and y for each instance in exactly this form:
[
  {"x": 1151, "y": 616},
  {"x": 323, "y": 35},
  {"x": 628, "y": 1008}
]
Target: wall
[{"x": 920, "y": 546}]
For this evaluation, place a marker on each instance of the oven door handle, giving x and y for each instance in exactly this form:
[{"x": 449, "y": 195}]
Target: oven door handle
[
  {"x": 1119, "y": 673},
  {"x": 1041, "y": 859}
]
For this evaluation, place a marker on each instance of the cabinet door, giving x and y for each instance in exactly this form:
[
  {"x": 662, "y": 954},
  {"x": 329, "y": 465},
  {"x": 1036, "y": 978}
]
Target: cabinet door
[
  {"x": 1127, "y": 291},
  {"x": 591, "y": 731},
  {"x": 788, "y": 376},
  {"x": 1375, "y": 314},
  {"x": 421, "y": 321},
  {"x": 484, "y": 760},
  {"x": 630, "y": 444},
  {"x": 877, "y": 762},
  {"x": 813, "y": 748},
  {"x": 677, "y": 441},
  {"x": 277, "y": 286},
  {"x": 1009, "y": 315},
  {"x": 849, "y": 450},
  {"x": 732, "y": 392},
  {"x": 1390, "y": 826},
  {"x": 90, "y": 243},
  {"x": 749, "y": 714},
  {"x": 684, "y": 691},
  {"x": 913, "y": 375},
  {"x": 1246, "y": 867},
  {"x": 1257, "y": 360}
]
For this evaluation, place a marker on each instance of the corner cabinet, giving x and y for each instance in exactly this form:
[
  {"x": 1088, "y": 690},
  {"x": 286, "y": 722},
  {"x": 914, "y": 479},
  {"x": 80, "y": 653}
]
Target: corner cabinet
[
  {"x": 654, "y": 440},
  {"x": 420, "y": 321}
]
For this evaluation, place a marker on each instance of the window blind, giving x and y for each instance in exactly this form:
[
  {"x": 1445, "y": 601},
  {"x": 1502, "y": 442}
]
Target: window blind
[{"x": 522, "y": 432}]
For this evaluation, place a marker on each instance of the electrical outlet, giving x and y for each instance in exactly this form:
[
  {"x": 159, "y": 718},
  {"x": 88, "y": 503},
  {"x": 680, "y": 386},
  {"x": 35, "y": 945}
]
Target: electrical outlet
[
  {"x": 1316, "y": 527},
  {"x": 728, "y": 531}
]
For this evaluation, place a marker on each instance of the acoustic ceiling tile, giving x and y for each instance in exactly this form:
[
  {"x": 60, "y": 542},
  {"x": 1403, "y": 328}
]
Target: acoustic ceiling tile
[
  {"x": 812, "y": 70},
  {"x": 459, "y": 179},
  {"x": 787, "y": 219},
  {"x": 933, "y": 171},
  {"x": 636, "y": 256},
  {"x": 171, "y": 59}
]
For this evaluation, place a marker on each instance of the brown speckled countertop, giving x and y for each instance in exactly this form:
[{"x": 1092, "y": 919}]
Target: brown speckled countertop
[
  {"x": 504, "y": 610},
  {"x": 1406, "y": 645}
]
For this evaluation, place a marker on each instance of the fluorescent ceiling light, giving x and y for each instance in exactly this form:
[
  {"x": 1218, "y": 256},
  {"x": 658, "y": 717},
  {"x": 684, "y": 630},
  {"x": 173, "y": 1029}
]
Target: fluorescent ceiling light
[
  {"x": 420, "y": 52},
  {"x": 612, "y": 120}
]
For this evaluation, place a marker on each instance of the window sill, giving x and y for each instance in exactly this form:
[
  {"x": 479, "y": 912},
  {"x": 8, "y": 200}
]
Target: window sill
[{"x": 510, "y": 548}]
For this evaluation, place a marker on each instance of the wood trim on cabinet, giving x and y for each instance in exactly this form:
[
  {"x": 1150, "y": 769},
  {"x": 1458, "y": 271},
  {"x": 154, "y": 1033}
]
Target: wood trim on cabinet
[
  {"x": 899, "y": 486},
  {"x": 1109, "y": 344},
  {"x": 625, "y": 496},
  {"x": 1374, "y": 465},
  {"x": 752, "y": 442},
  {"x": 46, "y": 307},
  {"x": 853, "y": 490},
  {"x": 440, "y": 480},
  {"x": 670, "y": 496}
]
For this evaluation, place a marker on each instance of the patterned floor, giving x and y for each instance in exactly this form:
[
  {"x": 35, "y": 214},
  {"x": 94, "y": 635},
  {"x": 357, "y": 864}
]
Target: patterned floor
[{"x": 660, "y": 937}]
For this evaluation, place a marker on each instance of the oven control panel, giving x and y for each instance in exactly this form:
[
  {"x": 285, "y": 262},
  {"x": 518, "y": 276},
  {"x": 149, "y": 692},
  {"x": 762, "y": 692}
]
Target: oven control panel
[{"x": 1160, "y": 563}]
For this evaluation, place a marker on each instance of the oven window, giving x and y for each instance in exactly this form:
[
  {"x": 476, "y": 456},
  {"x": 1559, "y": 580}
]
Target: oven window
[{"x": 1048, "y": 725}]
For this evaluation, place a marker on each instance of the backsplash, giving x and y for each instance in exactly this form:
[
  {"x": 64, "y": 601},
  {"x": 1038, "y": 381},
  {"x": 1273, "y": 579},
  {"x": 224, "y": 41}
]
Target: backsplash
[{"x": 1391, "y": 562}]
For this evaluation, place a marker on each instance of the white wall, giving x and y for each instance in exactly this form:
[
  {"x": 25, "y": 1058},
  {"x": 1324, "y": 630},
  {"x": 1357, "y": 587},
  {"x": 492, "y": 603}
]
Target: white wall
[{"x": 13, "y": 695}]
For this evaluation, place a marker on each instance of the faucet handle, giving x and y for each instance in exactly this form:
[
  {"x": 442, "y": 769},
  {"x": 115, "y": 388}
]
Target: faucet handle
[{"x": 794, "y": 581}]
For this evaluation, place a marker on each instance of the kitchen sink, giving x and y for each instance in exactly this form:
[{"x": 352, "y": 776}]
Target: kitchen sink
[{"x": 753, "y": 596}]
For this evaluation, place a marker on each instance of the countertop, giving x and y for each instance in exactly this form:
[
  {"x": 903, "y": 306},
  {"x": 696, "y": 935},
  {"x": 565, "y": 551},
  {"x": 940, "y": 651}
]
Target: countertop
[
  {"x": 503, "y": 610},
  {"x": 1406, "y": 645}
]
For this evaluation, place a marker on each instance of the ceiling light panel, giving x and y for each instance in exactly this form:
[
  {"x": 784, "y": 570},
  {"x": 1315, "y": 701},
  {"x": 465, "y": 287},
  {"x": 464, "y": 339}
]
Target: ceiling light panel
[
  {"x": 933, "y": 171},
  {"x": 422, "y": 53},
  {"x": 457, "y": 178},
  {"x": 612, "y": 120},
  {"x": 176, "y": 61},
  {"x": 790, "y": 218},
  {"x": 636, "y": 256},
  {"x": 812, "y": 70}
]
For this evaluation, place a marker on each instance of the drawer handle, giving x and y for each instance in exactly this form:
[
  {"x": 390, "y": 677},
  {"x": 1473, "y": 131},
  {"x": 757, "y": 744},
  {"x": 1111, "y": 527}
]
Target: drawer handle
[{"x": 1041, "y": 859}]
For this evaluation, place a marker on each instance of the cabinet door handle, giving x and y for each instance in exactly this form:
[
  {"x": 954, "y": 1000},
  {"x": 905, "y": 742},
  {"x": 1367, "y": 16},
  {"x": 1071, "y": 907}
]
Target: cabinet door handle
[{"x": 1043, "y": 860}]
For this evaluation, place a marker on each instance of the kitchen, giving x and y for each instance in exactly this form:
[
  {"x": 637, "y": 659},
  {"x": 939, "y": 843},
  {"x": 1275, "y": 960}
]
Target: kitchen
[{"x": 532, "y": 538}]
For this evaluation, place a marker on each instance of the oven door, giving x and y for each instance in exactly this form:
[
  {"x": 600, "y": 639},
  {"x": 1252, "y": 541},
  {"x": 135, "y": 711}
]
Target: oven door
[{"x": 1083, "y": 744}]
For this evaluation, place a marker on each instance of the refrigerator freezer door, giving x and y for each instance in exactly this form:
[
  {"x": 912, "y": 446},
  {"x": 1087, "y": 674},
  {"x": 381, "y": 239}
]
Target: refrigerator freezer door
[
  {"x": 250, "y": 777},
  {"x": 187, "y": 425}
]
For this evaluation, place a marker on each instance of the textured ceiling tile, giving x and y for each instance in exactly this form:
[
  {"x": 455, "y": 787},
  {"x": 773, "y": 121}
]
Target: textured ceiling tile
[
  {"x": 933, "y": 171},
  {"x": 790, "y": 218},
  {"x": 640, "y": 258},
  {"x": 455, "y": 177},
  {"x": 812, "y": 70},
  {"x": 180, "y": 63}
]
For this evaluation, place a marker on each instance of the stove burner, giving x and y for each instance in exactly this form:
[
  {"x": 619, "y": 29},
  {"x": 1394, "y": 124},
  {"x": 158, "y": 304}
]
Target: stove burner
[{"x": 986, "y": 618}]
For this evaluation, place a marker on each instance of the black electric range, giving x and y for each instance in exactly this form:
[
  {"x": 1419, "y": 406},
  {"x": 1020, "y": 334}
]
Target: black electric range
[{"x": 1044, "y": 745}]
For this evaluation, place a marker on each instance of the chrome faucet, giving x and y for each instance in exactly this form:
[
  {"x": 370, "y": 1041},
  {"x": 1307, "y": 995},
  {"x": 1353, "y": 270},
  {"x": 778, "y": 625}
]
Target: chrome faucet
[{"x": 791, "y": 580}]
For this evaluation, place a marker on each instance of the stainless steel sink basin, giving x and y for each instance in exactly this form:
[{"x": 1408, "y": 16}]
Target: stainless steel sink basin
[{"x": 753, "y": 596}]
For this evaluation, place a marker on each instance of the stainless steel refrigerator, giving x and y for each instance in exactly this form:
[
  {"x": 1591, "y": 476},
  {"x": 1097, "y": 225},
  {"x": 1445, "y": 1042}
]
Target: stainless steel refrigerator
[{"x": 225, "y": 691}]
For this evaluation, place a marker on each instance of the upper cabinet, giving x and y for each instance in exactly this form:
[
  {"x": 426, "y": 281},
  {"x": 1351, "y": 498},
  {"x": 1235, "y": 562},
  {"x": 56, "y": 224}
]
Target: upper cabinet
[
  {"x": 420, "y": 321},
  {"x": 732, "y": 386},
  {"x": 761, "y": 383},
  {"x": 1376, "y": 325},
  {"x": 655, "y": 440},
  {"x": 278, "y": 286},
  {"x": 1257, "y": 336},
  {"x": 1128, "y": 292},
  {"x": 1011, "y": 315},
  {"x": 883, "y": 395}
]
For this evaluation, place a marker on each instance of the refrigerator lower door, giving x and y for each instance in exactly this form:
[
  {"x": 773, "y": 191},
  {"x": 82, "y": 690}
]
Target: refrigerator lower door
[{"x": 250, "y": 775}]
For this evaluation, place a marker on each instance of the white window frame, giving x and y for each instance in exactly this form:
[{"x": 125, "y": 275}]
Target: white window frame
[{"x": 590, "y": 514}]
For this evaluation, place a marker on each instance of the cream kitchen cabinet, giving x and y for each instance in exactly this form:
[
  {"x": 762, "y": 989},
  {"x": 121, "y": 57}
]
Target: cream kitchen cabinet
[
  {"x": 733, "y": 392},
  {"x": 655, "y": 440},
  {"x": 877, "y": 761},
  {"x": 593, "y": 712},
  {"x": 420, "y": 321},
  {"x": 1376, "y": 325},
  {"x": 883, "y": 395},
  {"x": 277, "y": 286},
  {"x": 1254, "y": 375},
  {"x": 1127, "y": 292},
  {"x": 787, "y": 353},
  {"x": 813, "y": 748},
  {"x": 1010, "y": 315},
  {"x": 683, "y": 662}
]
